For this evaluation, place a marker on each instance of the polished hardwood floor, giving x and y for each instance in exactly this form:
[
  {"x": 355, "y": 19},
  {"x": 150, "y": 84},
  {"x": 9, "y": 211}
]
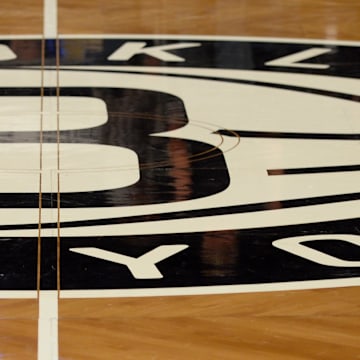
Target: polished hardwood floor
[
  {"x": 321, "y": 19},
  {"x": 292, "y": 325}
]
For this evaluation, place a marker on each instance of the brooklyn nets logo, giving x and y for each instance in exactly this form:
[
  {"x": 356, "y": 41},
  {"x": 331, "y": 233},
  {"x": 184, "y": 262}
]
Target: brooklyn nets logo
[{"x": 140, "y": 166}]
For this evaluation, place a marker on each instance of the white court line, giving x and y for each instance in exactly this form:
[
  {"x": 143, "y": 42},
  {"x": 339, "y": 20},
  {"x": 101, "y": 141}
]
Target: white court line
[
  {"x": 211, "y": 289},
  {"x": 48, "y": 344},
  {"x": 307, "y": 41},
  {"x": 48, "y": 300},
  {"x": 50, "y": 29},
  {"x": 48, "y": 332},
  {"x": 120, "y": 36},
  {"x": 18, "y": 294}
]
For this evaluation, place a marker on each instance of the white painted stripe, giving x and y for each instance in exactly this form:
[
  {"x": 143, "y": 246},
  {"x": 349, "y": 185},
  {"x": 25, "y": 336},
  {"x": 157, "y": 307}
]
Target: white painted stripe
[
  {"x": 48, "y": 341},
  {"x": 191, "y": 37},
  {"x": 18, "y": 294},
  {"x": 322, "y": 82},
  {"x": 308, "y": 41},
  {"x": 50, "y": 19},
  {"x": 280, "y": 217},
  {"x": 212, "y": 290},
  {"x": 21, "y": 37},
  {"x": 188, "y": 290},
  {"x": 48, "y": 326}
]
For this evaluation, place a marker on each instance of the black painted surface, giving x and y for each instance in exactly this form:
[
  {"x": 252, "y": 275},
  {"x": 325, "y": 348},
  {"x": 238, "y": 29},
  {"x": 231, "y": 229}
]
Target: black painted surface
[
  {"x": 212, "y": 258},
  {"x": 133, "y": 115},
  {"x": 246, "y": 55},
  {"x": 18, "y": 263}
]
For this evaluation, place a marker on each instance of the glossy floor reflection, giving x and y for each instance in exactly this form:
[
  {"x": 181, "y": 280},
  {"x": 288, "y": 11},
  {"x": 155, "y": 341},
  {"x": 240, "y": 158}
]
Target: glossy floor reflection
[
  {"x": 180, "y": 196},
  {"x": 169, "y": 155}
]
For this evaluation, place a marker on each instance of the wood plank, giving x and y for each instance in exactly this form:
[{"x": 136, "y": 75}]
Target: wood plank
[
  {"x": 21, "y": 17},
  {"x": 312, "y": 324},
  {"x": 306, "y": 303},
  {"x": 204, "y": 337},
  {"x": 18, "y": 339},
  {"x": 18, "y": 329},
  {"x": 279, "y": 325},
  {"x": 322, "y": 19}
]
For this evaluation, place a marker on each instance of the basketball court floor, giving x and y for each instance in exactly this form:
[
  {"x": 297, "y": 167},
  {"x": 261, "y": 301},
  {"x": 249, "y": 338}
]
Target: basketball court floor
[{"x": 179, "y": 179}]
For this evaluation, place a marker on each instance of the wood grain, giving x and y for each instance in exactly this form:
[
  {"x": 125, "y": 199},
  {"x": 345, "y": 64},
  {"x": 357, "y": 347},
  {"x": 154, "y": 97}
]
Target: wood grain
[
  {"x": 18, "y": 329},
  {"x": 315, "y": 324},
  {"x": 18, "y": 339},
  {"x": 307, "y": 303},
  {"x": 21, "y": 17},
  {"x": 323, "y": 19},
  {"x": 200, "y": 337},
  {"x": 18, "y": 309},
  {"x": 311, "y": 324},
  {"x": 301, "y": 325}
]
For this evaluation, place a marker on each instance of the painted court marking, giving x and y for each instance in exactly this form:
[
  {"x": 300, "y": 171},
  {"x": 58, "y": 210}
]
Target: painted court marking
[
  {"x": 48, "y": 337},
  {"x": 50, "y": 30},
  {"x": 48, "y": 343},
  {"x": 48, "y": 330}
]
